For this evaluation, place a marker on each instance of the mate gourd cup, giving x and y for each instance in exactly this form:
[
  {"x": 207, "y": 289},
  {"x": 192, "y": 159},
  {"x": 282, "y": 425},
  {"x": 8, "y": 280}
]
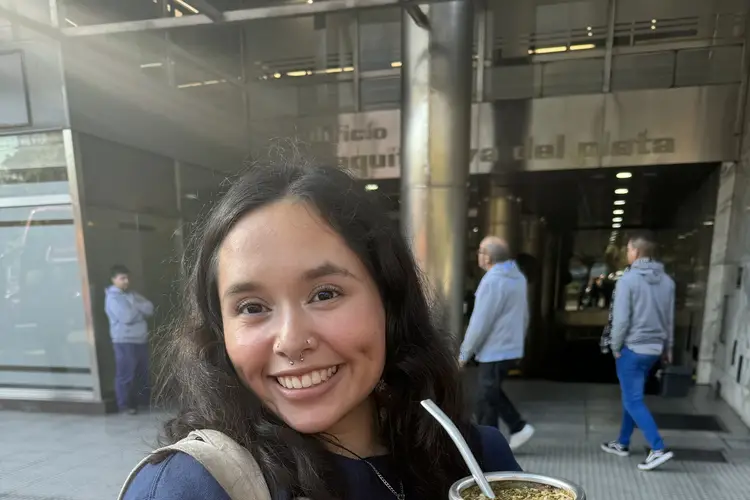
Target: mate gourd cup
[{"x": 520, "y": 480}]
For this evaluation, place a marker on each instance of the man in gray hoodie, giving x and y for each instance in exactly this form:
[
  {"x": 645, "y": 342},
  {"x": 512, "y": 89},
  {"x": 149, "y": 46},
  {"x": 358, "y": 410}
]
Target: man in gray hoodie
[
  {"x": 642, "y": 332},
  {"x": 128, "y": 313}
]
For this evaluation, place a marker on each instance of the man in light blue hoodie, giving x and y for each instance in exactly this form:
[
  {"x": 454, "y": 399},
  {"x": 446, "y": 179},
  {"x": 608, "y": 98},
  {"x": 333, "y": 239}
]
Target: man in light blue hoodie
[
  {"x": 642, "y": 332},
  {"x": 496, "y": 334},
  {"x": 128, "y": 313}
]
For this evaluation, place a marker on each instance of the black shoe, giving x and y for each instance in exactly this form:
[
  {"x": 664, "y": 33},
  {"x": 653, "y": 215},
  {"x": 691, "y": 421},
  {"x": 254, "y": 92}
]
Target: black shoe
[
  {"x": 615, "y": 448},
  {"x": 656, "y": 459}
]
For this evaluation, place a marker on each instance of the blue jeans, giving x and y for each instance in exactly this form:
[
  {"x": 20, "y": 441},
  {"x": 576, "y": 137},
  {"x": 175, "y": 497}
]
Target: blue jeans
[
  {"x": 131, "y": 375},
  {"x": 632, "y": 370}
]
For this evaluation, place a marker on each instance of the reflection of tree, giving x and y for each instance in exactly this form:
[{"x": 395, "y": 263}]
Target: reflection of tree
[
  {"x": 32, "y": 159},
  {"x": 36, "y": 151}
]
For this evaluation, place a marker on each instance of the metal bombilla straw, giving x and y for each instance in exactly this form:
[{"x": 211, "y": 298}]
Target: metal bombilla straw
[{"x": 462, "y": 446}]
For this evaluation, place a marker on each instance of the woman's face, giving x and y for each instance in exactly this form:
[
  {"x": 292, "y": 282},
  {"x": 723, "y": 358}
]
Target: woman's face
[{"x": 304, "y": 325}]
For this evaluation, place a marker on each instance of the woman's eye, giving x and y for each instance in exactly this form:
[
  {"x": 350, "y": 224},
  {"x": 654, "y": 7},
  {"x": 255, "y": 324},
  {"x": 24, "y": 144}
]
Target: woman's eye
[
  {"x": 252, "y": 308},
  {"x": 322, "y": 295}
]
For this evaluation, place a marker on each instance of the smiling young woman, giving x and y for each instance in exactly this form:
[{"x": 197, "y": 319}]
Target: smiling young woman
[{"x": 307, "y": 339}]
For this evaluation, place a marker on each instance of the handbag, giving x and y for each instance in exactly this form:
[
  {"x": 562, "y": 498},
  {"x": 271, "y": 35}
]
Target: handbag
[{"x": 231, "y": 464}]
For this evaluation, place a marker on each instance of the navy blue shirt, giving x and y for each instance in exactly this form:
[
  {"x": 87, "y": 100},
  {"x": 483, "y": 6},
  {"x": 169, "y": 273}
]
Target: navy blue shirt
[{"x": 181, "y": 477}]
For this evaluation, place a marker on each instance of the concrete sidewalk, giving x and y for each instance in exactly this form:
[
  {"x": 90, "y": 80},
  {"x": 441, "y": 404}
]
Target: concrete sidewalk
[{"x": 64, "y": 457}]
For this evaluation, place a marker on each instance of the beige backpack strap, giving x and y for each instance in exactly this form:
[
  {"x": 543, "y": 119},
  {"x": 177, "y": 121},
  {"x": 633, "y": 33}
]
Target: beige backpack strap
[{"x": 231, "y": 464}]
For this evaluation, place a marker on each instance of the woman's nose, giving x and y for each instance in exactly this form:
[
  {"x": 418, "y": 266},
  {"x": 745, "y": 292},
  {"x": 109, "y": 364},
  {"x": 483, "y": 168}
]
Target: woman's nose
[{"x": 294, "y": 338}]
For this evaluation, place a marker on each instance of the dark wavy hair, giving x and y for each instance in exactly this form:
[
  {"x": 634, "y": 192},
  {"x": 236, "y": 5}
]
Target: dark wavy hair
[{"x": 419, "y": 362}]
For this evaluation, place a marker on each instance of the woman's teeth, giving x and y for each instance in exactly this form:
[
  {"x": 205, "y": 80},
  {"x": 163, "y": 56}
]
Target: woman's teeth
[{"x": 315, "y": 377}]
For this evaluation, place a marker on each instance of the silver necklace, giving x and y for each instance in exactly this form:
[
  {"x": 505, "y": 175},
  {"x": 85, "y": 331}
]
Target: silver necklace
[{"x": 399, "y": 496}]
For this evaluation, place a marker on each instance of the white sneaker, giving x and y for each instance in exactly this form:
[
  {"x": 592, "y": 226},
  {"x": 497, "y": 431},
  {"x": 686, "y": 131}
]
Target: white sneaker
[
  {"x": 655, "y": 459},
  {"x": 521, "y": 437},
  {"x": 615, "y": 448}
]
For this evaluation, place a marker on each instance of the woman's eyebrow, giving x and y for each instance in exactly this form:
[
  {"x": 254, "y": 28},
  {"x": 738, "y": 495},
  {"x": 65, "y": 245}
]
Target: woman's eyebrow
[
  {"x": 241, "y": 288},
  {"x": 327, "y": 269}
]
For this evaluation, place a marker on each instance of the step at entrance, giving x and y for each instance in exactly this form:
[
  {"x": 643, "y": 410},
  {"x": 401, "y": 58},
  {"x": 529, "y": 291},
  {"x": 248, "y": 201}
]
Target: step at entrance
[{"x": 683, "y": 422}]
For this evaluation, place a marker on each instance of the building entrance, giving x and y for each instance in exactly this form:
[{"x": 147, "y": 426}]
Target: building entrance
[
  {"x": 569, "y": 231},
  {"x": 581, "y": 219}
]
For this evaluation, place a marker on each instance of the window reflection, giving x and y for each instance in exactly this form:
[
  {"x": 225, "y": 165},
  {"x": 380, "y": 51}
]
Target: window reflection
[
  {"x": 43, "y": 344},
  {"x": 596, "y": 264},
  {"x": 33, "y": 164}
]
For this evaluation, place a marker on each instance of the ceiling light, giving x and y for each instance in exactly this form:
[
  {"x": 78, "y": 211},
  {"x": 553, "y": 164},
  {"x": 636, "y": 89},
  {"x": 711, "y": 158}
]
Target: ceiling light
[
  {"x": 653, "y": 26},
  {"x": 277, "y": 75},
  {"x": 309, "y": 1},
  {"x": 621, "y": 191},
  {"x": 371, "y": 187},
  {"x": 616, "y": 219},
  {"x": 549, "y": 50},
  {"x": 616, "y": 225},
  {"x": 396, "y": 64},
  {"x": 624, "y": 175},
  {"x": 296, "y": 73},
  {"x": 151, "y": 65},
  {"x": 588, "y": 28},
  {"x": 71, "y": 22},
  {"x": 618, "y": 212},
  {"x": 584, "y": 46},
  {"x": 619, "y": 202},
  {"x": 653, "y": 21},
  {"x": 708, "y": 223}
]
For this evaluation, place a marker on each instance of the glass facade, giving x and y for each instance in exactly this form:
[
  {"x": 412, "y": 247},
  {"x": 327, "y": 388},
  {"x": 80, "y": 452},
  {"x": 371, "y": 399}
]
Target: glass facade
[{"x": 45, "y": 351}]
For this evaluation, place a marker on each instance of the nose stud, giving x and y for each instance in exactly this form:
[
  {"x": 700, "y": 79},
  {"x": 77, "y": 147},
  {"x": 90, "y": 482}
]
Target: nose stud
[{"x": 308, "y": 343}]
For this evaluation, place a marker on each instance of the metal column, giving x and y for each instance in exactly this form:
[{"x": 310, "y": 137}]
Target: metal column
[
  {"x": 503, "y": 217},
  {"x": 435, "y": 135}
]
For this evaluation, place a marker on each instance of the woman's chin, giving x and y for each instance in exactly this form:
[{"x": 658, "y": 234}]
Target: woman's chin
[{"x": 307, "y": 424}]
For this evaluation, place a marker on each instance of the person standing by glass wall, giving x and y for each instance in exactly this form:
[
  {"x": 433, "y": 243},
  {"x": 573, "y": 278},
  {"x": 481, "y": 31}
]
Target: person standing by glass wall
[{"x": 128, "y": 313}]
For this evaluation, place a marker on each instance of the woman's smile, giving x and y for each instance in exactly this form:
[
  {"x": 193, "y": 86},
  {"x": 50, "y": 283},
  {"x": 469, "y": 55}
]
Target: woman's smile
[
  {"x": 310, "y": 378},
  {"x": 308, "y": 385}
]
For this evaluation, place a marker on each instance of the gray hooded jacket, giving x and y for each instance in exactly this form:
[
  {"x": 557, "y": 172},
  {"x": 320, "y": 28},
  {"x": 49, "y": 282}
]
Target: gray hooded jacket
[{"x": 643, "y": 312}]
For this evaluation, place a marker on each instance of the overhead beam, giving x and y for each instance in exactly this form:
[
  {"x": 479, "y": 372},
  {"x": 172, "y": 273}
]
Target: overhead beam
[
  {"x": 32, "y": 24},
  {"x": 236, "y": 16},
  {"x": 208, "y": 9},
  {"x": 54, "y": 33}
]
